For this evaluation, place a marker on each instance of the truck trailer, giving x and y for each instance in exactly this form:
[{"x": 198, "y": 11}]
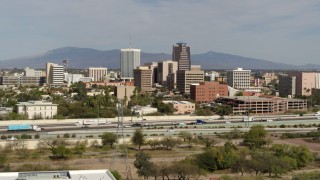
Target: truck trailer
[
  {"x": 92, "y": 122},
  {"x": 23, "y": 127}
]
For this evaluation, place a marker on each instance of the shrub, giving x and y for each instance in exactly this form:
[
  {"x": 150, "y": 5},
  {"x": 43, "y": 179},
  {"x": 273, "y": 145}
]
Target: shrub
[
  {"x": 66, "y": 135},
  {"x": 3, "y": 137},
  {"x": 73, "y": 135},
  {"x": 37, "y": 136},
  {"x": 282, "y": 126},
  {"x": 25, "y": 136}
]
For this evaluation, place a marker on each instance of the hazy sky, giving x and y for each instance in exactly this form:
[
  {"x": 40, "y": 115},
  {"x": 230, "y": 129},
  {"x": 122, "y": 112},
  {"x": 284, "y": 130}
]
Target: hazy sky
[{"x": 285, "y": 31}]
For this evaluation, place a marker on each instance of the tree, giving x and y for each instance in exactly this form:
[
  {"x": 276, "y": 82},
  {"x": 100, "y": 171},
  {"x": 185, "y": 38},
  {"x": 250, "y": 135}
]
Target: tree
[
  {"x": 169, "y": 143},
  {"x": 143, "y": 164},
  {"x": 186, "y": 136},
  {"x": 109, "y": 139},
  {"x": 223, "y": 110},
  {"x": 80, "y": 147},
  {"x": 207, "y": 160},
  {"x": 61, "y": 151},
  {"x": 153, "y": 143},
  {"x": 138, "y": 138},
  {"x": 255, "y": 137}
]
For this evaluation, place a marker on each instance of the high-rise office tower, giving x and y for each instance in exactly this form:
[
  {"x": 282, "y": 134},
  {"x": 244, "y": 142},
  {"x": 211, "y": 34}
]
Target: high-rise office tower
[
  {"x": 55, "y": 75},
  {"x": 129, "y": 60},
  {"x": 239, "y": 78},
  {"x": 143, "y": 78},
  {"x": 97, "y": 73},
  {"x": 166, "y": 68},
  {"x": 181, "y": 54}
]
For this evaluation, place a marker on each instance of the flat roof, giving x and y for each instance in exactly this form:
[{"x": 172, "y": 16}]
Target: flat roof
[{"x": 48, "y": 175}]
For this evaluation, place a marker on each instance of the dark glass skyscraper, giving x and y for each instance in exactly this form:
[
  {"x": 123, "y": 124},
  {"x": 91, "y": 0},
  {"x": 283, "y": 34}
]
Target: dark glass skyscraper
[{"x": 181, "y": 54}]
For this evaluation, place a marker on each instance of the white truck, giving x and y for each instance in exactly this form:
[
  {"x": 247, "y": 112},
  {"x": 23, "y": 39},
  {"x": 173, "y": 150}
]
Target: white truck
[
  {"x": 92, "y": 122},
  {"x": 247, "y": 118}
]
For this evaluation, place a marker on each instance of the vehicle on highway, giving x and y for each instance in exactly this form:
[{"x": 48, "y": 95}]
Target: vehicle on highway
[
  {"x": 12, "y": 138},
  {"x": 92, "y": 122},
  {"x": 24, "y": 127},
  {"x": 228, "y": 122},
  {"x": 170, "y": 130},
  {"x": 317, "y": 113},
  {"x": 269, "y": 120},
  {"x": 124, "y": 125},
  {"x": 181, "y": 124},
  {"x": 247, "y": 118},
  {"x": 199, "y": 121}
]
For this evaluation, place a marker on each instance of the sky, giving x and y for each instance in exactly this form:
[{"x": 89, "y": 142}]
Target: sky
[{"x": 285, "y": 31}]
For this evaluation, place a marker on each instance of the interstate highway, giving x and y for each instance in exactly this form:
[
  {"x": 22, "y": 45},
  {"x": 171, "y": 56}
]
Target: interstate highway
[{"x": 70, "y": 126}]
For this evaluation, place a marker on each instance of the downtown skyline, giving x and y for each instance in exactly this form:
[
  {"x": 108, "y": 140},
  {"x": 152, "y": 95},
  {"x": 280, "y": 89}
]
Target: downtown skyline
[{"x": 280, "y": 31}]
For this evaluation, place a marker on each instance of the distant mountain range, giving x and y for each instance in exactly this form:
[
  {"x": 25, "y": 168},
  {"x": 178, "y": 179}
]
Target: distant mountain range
[{"x": 86, "y": 57}]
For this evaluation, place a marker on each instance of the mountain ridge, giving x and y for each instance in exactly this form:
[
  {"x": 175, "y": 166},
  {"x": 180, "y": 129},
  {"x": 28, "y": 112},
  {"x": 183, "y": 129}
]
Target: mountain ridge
[{"x": 88, "y": 57}]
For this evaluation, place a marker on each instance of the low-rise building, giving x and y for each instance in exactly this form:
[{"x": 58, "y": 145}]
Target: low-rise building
[
  {"x": 37, "y": 109},
  {"x": 262, "y": 105},
  {"x": 206, "y": 92},
  {"x": 64, "y": 174},
  {"x": 143, "y": 110},
  {"x": 182, "y": 107}
]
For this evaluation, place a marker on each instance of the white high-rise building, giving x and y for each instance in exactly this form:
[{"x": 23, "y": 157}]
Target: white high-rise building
[
  {"x": 98, "y": 74},
  {"x": 55, "y": 75},
  {"x": 239, "y": 78},
  {"x": 129, "y": 60}
]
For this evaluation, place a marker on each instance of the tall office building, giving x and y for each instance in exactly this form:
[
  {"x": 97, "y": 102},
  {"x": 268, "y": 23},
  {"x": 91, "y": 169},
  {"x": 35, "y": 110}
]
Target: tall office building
[
  {"x": 97, "y": 73},
  {"x": 186, "y": 78},
  {"x": 129, "y": 60},
  {"x": 166, "y": 68},
  {"x": 181, "y": 54},
  {"x": 143, "y": 78},
  {"x": 287, "y": 85},
  {"x": 55, "y": 75},
  {"x": 239, "y": 78}
]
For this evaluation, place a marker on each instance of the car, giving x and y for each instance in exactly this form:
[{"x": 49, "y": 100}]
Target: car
[
  {"x": 12, "y": 138},
  {"x": 175, "y": 123},
  {"x": 228, "y": 122},
  {"x": 170, "y": 130}
]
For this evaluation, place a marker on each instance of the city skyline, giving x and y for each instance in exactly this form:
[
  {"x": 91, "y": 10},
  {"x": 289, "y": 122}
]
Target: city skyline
[{"x": 280, "y": 31}]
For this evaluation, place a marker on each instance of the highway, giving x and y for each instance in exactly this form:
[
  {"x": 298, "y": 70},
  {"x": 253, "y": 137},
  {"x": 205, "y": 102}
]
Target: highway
[{"x": 211, "y": 125}]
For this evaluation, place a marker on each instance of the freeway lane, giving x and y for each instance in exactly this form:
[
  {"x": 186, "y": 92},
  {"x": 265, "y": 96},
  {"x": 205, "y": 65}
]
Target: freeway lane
[{"x": 234, "y": 122}]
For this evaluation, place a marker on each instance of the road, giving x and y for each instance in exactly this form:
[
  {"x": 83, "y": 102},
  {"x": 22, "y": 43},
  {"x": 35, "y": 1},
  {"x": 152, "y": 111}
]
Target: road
[{"x": 211, "y": 126}]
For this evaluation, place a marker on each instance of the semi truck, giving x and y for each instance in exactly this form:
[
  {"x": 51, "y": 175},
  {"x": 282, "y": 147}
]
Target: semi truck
[
  {"x": 92, "y": 122},
  {"x": 23, "y": 127}
]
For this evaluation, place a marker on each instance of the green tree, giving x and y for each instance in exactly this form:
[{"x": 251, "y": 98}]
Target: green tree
[
  {"x": 109, "y": 139},
  {"x": 80, "y": 147},
  {"x": 138, "y": 138},
  {"x": 207, "y": 160},
  {"x": 256, "y": 137},
  {"x": 169, "y": 143},
  {"x": 143, "y": 164},
  {"x": 61, "y": 151},
  {"x": 223, "y": 110}
]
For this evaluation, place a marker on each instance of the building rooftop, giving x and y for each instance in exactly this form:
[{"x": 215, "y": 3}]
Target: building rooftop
[
  {"x": 36, "y": 103},
  {"x": 54, "y": 175}
]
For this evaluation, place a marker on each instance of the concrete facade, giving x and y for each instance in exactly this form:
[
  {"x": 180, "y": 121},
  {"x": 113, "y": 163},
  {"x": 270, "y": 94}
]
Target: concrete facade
[
  {"x": 239, "y": 78},
  {"x": 143, "y": 78},
  {"x": 124, "y": 92},
  {"x": 98, "y": 73},
  {"x": 129, "y": 60},
  {"x": 181, "y": 54},
  {"x": 182, "y": 107},
  {"x": 164, "y": 69},
  {"x": 37, "y": 109},
  {"x": 186, "y": 78}
]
